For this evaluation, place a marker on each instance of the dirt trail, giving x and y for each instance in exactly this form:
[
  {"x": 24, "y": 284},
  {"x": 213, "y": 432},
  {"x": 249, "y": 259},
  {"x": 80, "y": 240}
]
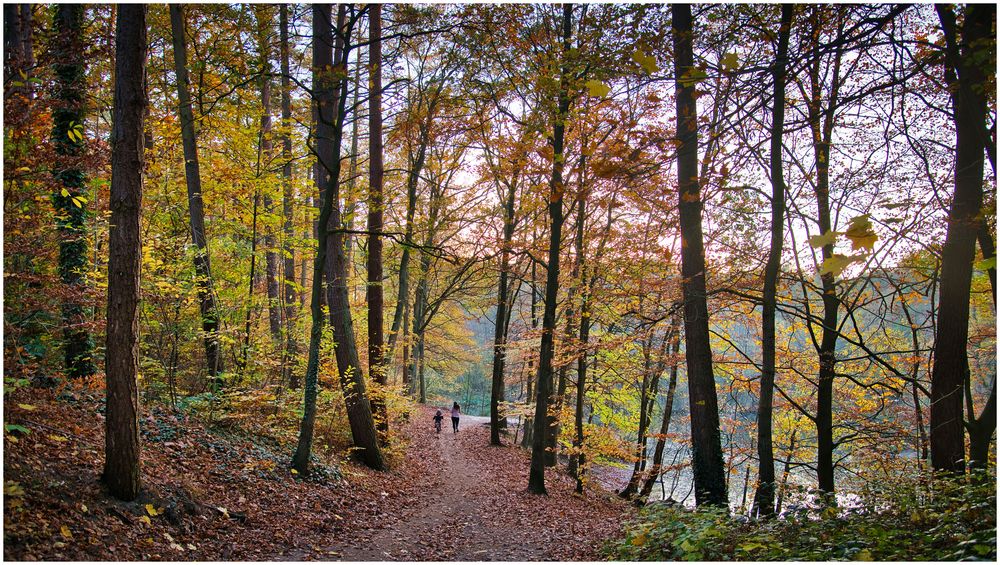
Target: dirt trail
[{"x": 477, "y": 510}]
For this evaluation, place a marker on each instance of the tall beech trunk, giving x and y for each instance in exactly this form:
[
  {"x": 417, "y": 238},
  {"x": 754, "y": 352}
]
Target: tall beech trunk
[
  {"x": 351, "y": 198},
  {"x": 706, "y": 445},
  {"x": 529, "y": 427},
  {"x": 329, "y": 135},
  {"x": 287, "y": 197},
  {"x": 121, "y": 427},
  {"x": 263, "y": 15},
  {"x": 359, "y": 412},
  {"x": 764, "y": 496},
  {"x": 412, "y": 178},
  {"x": 560, "y": 397},
  {"x": 576, "y": 459},
  {"x": 502, "y": 318},
  {"x": 543, "y": 384},
  {"x": 196, "y": 207},
  {"x": 966, "y": 82},
  {"x": 376, "y": 362},
  {"x": 251, "y": 279},
  {"x": 821, "y": 124},
  {"x": 668, "y": 408},
  {"x": 421, "y": 316},
  {"x": 70, "y": 196}
]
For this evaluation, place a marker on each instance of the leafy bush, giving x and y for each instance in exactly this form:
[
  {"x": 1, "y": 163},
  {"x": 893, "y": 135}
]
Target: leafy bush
[{"x": 940, "y": 520}]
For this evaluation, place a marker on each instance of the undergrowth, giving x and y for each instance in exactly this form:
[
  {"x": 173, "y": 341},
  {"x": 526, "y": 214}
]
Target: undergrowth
[{"x": 949, "y": 520}]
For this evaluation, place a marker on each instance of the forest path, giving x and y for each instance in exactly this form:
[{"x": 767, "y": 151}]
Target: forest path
[{"x": 478, "y": 509}]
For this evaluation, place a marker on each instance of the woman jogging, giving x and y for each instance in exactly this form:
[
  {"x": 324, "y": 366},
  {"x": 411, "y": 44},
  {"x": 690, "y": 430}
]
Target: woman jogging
[{"x": 456, "y": 411}]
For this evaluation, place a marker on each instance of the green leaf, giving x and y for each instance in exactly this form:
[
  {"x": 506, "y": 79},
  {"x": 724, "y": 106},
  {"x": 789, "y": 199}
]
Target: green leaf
[
  {"x": 729, "y": 62},
  {"x": 16, "y": 428},
  {"x": 987, "y": 264},
  {"x": 647, "y": 62},
  {"x": 828, "y": 238},
  {"x": 597, "y": 88}
]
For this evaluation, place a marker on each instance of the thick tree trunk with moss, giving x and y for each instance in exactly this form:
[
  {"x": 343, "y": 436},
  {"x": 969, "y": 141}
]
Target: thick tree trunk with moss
[
  {"x": 121, "y": 438},
  {"x": 70, "y": 197}
]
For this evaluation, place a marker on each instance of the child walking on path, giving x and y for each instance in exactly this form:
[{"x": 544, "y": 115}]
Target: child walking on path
[
  {"x": 455, "y": 413},
  {"x": 437, "y": 421}
]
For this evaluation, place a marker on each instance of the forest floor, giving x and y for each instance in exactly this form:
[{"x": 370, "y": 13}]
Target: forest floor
[{"x": 215, "y": 494}]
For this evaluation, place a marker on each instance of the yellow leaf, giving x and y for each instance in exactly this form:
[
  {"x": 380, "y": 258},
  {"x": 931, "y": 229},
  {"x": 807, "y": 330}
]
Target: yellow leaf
[
  {"x": 224, "y": 511},
  {"x": 59, "y": 439},
  {"x": 146, "y": 520},
  {"x": 729, "y": 62},
  {"x": 836, "y": 264},
  {"x": 64, "y": 530},
  {"x": 863, "y": 555},
  {"x": 861, "y": 233},
  {"x": 151, "y": 510},
  {"x": 597, "y": 88},
  {"x": 693, "y": 76},
  {"x": 83, "y": 508},
  {"x": 647, "y": 62},
  {"x": 64, "y": 192},
  {"x": 295, "y": 472},
  {"x": 690, "y": 197},
  {"x": 640, "y": 539},
  {"x": 828, "y": 238},
  {"x": 26, "y": 407}
]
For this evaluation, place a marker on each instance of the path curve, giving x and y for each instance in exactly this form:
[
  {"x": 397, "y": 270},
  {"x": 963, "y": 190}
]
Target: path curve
[{"x": 477, "y": 511}]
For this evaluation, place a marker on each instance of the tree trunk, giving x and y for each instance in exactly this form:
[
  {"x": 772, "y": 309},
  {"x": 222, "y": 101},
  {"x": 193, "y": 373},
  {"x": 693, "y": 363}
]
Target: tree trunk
[
  {"x": 967, "y": 82},
  {"x": 263, "y": 16},
  {"x": 647, "y": 403},
  {"x": 412, "y": 178},
  {"x": 706, "y": 446},
  {"x": 242, "y": 364},
  {"x": 785, "y": 473},
  {"x": 323, "y": 86},
  {"x": 376, "y": 362},
  {"x": 543, "y": 385},
  {"x": 70, "y": 199},
  {"x": 668, "y": 408},
  {"x": 502, "y": 317},
  {"x": 18, "y": 54},
  {"x": 764, "y": 496},
  {"x": 192, "y": 173},
  {"x": 287, "y": 196},
  {"x": 529, "y": 428},
  {"x": 359, "y": 412},
  {"x": 121, "y": 432},
  {"x": 821, "y": 123}
]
